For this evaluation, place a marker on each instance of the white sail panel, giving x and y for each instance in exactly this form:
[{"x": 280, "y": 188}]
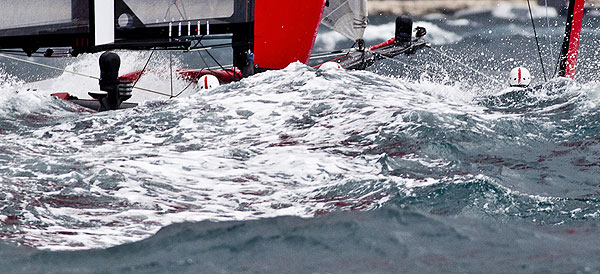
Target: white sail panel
[
  {"x": 348, "y": 17},
  {"x": 104, "y": 20},
  {"x": 24, "y": 13},
  {"x": 153, "y": 11}
]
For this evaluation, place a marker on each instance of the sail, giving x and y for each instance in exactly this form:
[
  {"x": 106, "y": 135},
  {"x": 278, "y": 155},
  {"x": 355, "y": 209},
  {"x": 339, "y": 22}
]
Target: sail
[
  {"x": 348, "y": 17},
  {"x": 25, "y": 13},
  {"x": 285, "y": 31},
  {"x": 570, "y": 47},
  {"x": 95, "y": 25},
  {"x": 156, "y": 11},
  {"x": 33, "y": 17}
]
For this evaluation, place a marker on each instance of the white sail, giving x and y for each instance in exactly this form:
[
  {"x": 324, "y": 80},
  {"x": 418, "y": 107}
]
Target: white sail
[
  {"x": 25, "y": 13},
  {"x": 151, "y": 11},
  {"x": 348, "y": 17}
]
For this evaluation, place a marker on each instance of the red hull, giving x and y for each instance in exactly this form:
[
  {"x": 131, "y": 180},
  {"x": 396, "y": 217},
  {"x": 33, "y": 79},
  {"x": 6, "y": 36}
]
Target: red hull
[{"x": 224, "y": 76}]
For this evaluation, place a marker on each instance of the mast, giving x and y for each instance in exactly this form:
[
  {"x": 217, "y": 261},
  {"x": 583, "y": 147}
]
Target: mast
[{"x": 568, "y": 56}]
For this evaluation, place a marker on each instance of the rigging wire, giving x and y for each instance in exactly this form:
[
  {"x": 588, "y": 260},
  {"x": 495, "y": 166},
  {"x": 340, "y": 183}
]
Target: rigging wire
[
  {"x": 184, "y": 12},
  {"x": 171, "y": 72},
  {"x": 204, "y": 60},
  {"x": 73, "y": 72},
  {"x": 178, "y": 10},
  {"x": 47, "y": 66},
  {"x": 327, "y": 54},
  {"x": 537, "y": 42},
  {"x": 557, "y": 64},
  {"x": 229, "y": 72},
  {"x": 549, "y": 36},
  {"x": 143, "y": 69},
  {"x": 184, "y": 89},
  {"x": 463, "y": 64}
]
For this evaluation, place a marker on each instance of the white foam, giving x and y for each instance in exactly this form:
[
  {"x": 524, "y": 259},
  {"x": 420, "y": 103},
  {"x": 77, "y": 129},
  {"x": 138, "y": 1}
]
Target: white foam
[
  {"x": 157, "y": 78},
  {"x": 266, "y": 146},
  {"x": 248, "y": 159},
  {"x": 8, "y": 81},
  {"x": 459, "y": 22},
  {"x": 437, "y": 35},
  {"x": 515, "y": 11}
]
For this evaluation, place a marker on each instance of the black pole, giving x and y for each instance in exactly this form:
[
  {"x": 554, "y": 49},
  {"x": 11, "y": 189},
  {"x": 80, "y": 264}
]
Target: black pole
[
  {"x": 537, "y": 42},
  {"x": 109, "y": 80}
]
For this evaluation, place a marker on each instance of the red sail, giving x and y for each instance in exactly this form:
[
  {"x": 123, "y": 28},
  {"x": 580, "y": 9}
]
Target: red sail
[
  {"x": 570, "y": 47},
  {"x": 285, "y": 31}
]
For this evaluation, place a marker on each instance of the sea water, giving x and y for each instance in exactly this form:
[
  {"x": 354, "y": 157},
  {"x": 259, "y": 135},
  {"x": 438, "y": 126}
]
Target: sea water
[{"x": 417, "y": 165}]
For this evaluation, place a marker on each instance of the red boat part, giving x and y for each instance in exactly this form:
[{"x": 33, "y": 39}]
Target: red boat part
[
  {"x": 386, "y": 43},
  {"x": 568, "y": 59},
  {"x": 133, "y": 76},
  {"x": 224, "y": 76},
  {"x": 285, "y": 31},
  {"x": 61, "y": 95},
  {"x": 380, "y": 45}
]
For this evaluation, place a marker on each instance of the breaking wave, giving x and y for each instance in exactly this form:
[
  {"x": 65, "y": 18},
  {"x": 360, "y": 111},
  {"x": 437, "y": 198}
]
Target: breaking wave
[
  {"x": 423, "y": 166},
  {"x": 292, "y": 142}
]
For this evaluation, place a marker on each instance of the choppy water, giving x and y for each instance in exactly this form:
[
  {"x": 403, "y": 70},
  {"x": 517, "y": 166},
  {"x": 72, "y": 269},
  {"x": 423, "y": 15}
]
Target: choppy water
[{"x": 432, "y": 169}]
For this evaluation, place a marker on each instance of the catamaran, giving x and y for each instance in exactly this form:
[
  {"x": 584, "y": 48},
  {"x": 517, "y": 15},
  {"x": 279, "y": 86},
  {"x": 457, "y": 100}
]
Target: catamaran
[{"x": 263, "y": 35}]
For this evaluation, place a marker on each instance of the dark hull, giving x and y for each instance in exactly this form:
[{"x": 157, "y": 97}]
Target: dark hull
[{"x": 95, "y": 104}]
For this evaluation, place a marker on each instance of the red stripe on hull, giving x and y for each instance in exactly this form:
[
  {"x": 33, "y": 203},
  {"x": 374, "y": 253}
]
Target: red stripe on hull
[
  {"x": 61, "y": 95},
  {"x": 224, "y": 76},
  {"x": 384, "y": 44},
  {"x": 285, "y": 31},
  {"x": 574, "y": 39},
  {"x": 193, "y": 75}
]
